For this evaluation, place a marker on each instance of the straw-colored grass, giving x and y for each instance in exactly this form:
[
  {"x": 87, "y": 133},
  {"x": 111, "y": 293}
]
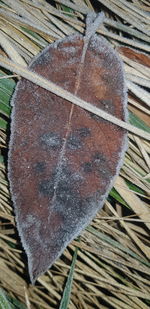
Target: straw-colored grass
[{"x": 112, "y": 267}]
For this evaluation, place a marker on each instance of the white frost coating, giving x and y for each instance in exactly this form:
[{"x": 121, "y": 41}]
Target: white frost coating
[
  {"x": 124, "y": 147},
  {"x": 30, "y": 219},
  {"x": 98, "y": 42},
  {"x": 55, "y": 45},
  {"x": 93, "y": 21},
  {"x": 69, "y": 50}
]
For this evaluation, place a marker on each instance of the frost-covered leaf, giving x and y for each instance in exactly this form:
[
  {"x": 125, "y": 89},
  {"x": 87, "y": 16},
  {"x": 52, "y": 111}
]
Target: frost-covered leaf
[{"x": 63, "y": 159}]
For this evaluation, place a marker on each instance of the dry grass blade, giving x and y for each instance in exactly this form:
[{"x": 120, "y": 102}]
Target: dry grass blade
[
  {"x": 40, "y": 81},
  {"x": 112, "y": 269}
]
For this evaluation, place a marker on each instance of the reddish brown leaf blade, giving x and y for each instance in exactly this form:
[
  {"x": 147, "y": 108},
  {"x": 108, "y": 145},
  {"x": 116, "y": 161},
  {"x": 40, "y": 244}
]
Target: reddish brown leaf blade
[{"x": 62, "y": 159}]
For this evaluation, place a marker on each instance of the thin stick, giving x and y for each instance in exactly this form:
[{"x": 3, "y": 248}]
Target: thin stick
[{"x": 48, "y": 85}]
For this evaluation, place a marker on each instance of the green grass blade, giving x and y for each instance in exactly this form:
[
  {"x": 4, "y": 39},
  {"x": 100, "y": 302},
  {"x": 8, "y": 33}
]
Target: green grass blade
[
  {"x": 3, "y": 124},
  {"x": 6, "y": 90},
  {"x": 7, "y": 302},
  {"x": 7, "y": 83},
  {"x": 67, "y": 290},
  {"x": 114, "y": 194},
  {"x": 4, "y": 303},
  {"x": 138, "y": 122}
]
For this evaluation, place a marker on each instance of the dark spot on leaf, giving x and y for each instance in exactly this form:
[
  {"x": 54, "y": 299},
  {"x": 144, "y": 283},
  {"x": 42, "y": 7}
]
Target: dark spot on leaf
[
  {"x": 107, "y": 105},
  {"x": 46, "y": 187},
  {"x": 101, "y": 165},
  {"x": 39, "y": 167},
  {"x": 87, "y": 167},
  {"x": 106, "y": 78},
  {"x": 51, "y": 140},
  {"x": 98, "y": 165},
  {"x": 75, "y": 139},
  {"x": 97, "y": 118},
  {"x": 64, "y": 186},
  {"x": 84, "y": 132},
  {"x": 99, "y": 158},
  {"x": 74, "y": 142}
]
